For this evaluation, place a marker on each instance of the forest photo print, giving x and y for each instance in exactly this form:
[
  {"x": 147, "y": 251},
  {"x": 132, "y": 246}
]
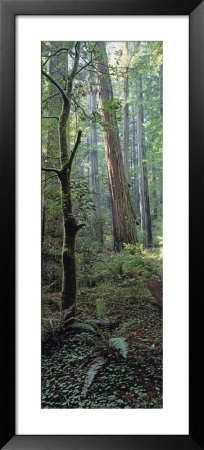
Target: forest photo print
[{"x": 102, "y": 220}]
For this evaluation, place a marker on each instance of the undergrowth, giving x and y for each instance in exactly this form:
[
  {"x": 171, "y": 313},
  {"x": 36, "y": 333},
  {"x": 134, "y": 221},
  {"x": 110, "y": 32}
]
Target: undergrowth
[{"x": 111, "y": 357}]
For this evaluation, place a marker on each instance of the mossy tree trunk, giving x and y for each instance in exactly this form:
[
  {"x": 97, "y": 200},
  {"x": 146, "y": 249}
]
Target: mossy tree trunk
[
  {"x": 69, "y": 239},
  {"x": 71, "y": 227}
]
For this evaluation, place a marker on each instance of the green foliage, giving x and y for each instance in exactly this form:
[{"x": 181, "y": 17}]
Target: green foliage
[
  {"x": 119, "y": 343},
  {"x": 82, "y": 197},
  {"x": 100, "y": 307},
  {"x": 113, "y": 106},
  {"x": 51, "y": 276},
  {"x": 81, "y": 326}
]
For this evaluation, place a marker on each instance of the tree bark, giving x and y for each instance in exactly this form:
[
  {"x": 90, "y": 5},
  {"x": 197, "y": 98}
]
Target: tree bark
[
  {"x": 143, "y": 175},
  {"x": 135, "y": 176},
  {"x": 124, "y": 217},
  {"x": 126, "y": 125},
  {"x": 98, "y": 226},
  {"x": 161, "y": 91}
]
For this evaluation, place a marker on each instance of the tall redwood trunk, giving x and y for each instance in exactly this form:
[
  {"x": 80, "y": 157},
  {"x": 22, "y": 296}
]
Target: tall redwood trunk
[
  {"x": 126, "y": 125},
  {"x": 143, "y": 176},
  {"x": 97, "y": 225},
  {"x": 124, "y": 217}
]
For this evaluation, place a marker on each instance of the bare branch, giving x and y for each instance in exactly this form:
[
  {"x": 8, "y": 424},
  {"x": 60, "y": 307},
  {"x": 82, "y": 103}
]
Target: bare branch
[
  {"x": 49, "y": 178},
  {"x": 50, "y": 97},
  {"x": 75, "y": 148},
  {"x": 50, "y": 117},
  {"x": 78, "y": 106},
  {"x": 64, "y": 50},
  {"x": 62, "y": 92},
  {"x": 67, "y": 166},
  {"x": 49, "y": 169},
  {"x": 83, "y": 67}
]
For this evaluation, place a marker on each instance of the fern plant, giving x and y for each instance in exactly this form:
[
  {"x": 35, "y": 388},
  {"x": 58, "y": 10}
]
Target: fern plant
[{"x": 119, "y": 343}]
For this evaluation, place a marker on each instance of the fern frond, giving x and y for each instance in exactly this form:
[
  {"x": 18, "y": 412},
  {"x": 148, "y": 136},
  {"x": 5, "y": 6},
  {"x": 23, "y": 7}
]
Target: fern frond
[
  {"x": 93, "y": 370},
  {"x": 81, "y": 326},
  {"x": 120, "y": 344}
]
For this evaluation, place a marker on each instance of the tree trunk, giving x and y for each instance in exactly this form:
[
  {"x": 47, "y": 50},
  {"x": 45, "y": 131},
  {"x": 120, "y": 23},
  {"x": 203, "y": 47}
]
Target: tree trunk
[
  {"x": 161, "y": 91},
  {"x": 143, "y": 176},
  {"x": 98, "y": 226},
  {"x": 69, "y": 247},
  {"x": 124, "y": 217},
  {"x": 69, "y": 291},
  {"x": 68, "y": 295},
  {"x": 126, "y": 125},
  {"x": 135, "y": 176}
]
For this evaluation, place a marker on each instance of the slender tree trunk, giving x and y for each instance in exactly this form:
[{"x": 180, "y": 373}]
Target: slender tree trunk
[
  {"x": 143, "y": 176},
  {"x": 126, "y": 125},
  {"x": 161, "y": 91},
  {"x": 154, "y": 196},
  {"x": 135, "y": 176},
  {"x": 98, "y": 226},
  {"x": 124, "y": 217},
  {"x": 69, "y": 247},
  {"x": 71, "y": 227}
]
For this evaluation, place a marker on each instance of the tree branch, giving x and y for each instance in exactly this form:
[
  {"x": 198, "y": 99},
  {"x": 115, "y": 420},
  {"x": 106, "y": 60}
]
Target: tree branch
[
  {"x": 64, "y": 49},
  {"x": 89, "y": 62},
  {"x": 67, "y": 166},
  {"x": 76, "y": 60},
  {"x": 80, "y": 226},
  {"x": 50, "y": 117},
  {"x": 50, "y": 97},
  {"x": 78, "y": 106},
  {"x": 75, "y": 148},
  {"x": 49, "y": 169},
  {"x": 62, "y": 92},
  {"x": 49, "y": 178},
  {"x": 83, "y": 67}
]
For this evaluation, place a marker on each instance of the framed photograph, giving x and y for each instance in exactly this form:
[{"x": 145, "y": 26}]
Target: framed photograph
[{"x": 118, "y": 369}]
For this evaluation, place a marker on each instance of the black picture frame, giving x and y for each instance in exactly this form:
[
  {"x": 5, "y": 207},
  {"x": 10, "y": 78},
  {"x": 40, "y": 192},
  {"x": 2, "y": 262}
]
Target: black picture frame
[{"x": 9, "y": 10}]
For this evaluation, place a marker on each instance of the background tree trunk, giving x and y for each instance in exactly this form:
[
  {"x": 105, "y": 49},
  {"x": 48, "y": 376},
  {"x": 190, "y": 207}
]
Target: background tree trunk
[
  {"x": 143, "y": 176},
  {"x": 98, "y": 226},
  {"x": 126, "y": 125}
]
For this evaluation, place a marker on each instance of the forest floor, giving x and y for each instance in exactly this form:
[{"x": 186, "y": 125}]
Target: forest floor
[{"x": 80, "y": 366}]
